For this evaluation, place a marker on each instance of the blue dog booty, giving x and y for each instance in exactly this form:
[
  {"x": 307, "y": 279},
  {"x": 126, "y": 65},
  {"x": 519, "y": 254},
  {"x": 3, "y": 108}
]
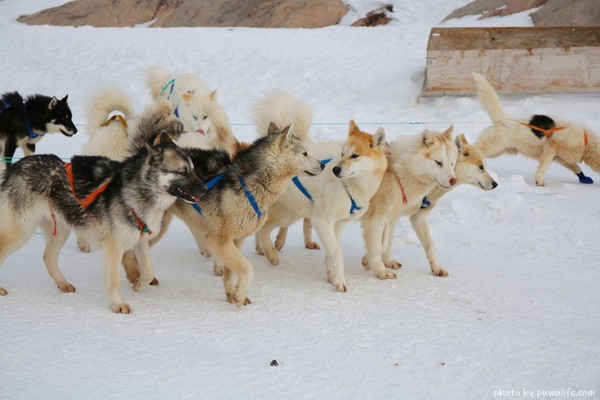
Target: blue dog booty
[
  {"x": 425, "y": 203},
  {"x": 584, "y": 179}
]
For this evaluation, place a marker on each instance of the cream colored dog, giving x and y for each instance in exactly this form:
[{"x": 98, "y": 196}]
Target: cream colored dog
[{"x": 541, "y": 137}]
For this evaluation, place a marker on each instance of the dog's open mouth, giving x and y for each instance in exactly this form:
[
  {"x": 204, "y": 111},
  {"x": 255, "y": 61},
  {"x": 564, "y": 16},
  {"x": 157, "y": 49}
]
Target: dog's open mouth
[{"x": 185, "y": 195}]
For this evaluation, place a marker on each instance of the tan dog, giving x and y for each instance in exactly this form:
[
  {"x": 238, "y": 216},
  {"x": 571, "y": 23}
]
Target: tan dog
[
  {"x": 470, "y": 169},
  {"x": 541, "y": 137},
  {"x": 417, "y": 164}
]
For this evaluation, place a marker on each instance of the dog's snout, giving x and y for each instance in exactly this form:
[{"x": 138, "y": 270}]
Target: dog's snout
[
  {"x": 494, "y": 184},
  {"x": 336, "y": 170},
  {"x": 452, "y": 181},
  {"x": 74, "y": 129}
]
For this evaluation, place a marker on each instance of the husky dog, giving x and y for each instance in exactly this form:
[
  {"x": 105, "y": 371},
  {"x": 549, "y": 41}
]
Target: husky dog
[
  {"x": 24, "y": 122},
  {"x": 120, "y": 138},
  {"x": 242, "y": 190},
  {"x": 338, "y": 195},
  {"x": 196, "y": 107},
  {"x": 417, "y": 164},
  {"x": 540, "y": 137},
  {"x": 470, "y": 169},
  {"x": 118, "y": 204}
]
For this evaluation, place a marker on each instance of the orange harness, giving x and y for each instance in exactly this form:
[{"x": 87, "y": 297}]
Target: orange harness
[
  {"x": 404, "y": 199},
  {"x": 549, "y": 132}
]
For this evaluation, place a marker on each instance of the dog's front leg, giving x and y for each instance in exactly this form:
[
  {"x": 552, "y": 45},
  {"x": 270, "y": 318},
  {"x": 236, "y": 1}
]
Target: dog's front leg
[
  {"x": 142, "y": 253},
  {"x": 373, "y": 233},
  {"x": 113, "y": 255},
  {"x": 545, "y": 159},
  {"x": 388, "y": 241},
  {"x": 54, "y": 243},
  {"x": 334, "y": 262},
  {"x": 420, "y": 224},
  {"x": 235, "y": 263}
]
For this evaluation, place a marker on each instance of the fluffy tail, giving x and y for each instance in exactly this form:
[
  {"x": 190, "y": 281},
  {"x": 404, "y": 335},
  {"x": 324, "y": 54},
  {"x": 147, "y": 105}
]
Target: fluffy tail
[
  {"x": 488, "y": 98},
  {"x": 106, "y": 101},
  {"x": 156, "y": 78},
  {"x": 283, "y": 109}
]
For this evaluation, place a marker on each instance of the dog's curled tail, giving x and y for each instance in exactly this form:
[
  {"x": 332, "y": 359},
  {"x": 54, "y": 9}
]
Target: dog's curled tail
[
  {"x": 106, "y": 101},
  {"x": 488, "y": 98},
  {"x": 157, "y": 79},
  {"x": 283, "y": 109}
]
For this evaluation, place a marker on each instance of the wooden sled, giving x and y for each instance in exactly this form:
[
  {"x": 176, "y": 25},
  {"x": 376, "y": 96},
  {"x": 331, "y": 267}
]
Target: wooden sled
[{"x": 514, "y": 60}]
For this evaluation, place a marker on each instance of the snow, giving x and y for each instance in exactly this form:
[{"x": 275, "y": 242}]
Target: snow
[{"x": 518, "y": 311}]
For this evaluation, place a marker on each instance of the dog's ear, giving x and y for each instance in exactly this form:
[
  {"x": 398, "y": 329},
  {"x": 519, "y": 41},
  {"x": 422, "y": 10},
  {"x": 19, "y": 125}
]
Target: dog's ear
[
  {"x": 426, "y": 138},
  {"x": 187, "y": 96},
  {"x": 64, "y": 99},
  {"x": 162, "y": 138},
  {"x": 379, "y": 137},
  {"x": 53, "y": 103},
  {"x": 461, "y": 144},
  {"x": 448, "y": 133},
  {"x": 213, "y": 95},
  {"x": 352, "y": 128},
  {"x": 273, "y": 128}
]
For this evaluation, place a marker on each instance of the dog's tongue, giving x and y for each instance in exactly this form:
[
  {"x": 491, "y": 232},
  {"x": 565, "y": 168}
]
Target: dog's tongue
[{"x": 200, "y": 131}]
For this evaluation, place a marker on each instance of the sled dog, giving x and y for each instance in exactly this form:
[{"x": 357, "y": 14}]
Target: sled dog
[
  {"x": 417, "y": 164},
  {"x": 119, "y": 204},
  {"x": 197, "y": 108},
  {"x": 470, "y": 169},
  {"x": 242, "y": 190},
  {"x": 544, "y": 138},
  {"x": 24, "y": 122}
]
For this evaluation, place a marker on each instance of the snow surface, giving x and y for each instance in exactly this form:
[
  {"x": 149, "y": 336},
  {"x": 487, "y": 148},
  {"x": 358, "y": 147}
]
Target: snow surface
[{"x": 519, "y": 310}]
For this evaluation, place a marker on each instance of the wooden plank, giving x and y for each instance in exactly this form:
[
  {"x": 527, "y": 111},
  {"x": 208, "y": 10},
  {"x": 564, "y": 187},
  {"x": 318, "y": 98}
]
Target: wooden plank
[{"x": 514, "y": 60}]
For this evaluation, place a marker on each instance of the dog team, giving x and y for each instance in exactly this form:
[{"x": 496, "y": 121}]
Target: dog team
[{"x": 179, "y": 158}]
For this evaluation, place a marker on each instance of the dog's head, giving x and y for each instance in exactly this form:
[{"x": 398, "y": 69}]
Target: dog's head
[
  {"x": 193, "y": 112},
  {"x": 435, "y": 157},
  {"x": 470, "y": 166},
  {"x": 294, "y": 153},
  {"x": 362, "y": 153},
  {"x": 59, "y": 117},
  {"x": 176, "y": 175},
  {"x": 156, "y": 121}
]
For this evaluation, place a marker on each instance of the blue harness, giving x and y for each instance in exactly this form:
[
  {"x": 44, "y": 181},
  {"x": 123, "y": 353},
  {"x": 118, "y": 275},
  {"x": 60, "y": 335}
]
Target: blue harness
[
  {"x": 32, "y": 134},
  {"x": 172, "y": 84},
  {"x": 214, "y": 181},
  {"x": 354, "y": 207}
]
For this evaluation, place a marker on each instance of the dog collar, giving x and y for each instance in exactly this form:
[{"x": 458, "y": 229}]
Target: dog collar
[
  {"x": 301, "y": 187},
  {"x": 141, "y": 225}
]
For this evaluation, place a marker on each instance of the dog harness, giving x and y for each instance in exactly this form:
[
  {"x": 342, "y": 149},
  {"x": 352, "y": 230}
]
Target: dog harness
[
  {"x": 32, "y": 134},
  {"x": 549, "y": 132},
  {"x": 85, "y": 203},
  {"x": 172, "y": 84},
  {"x": 114, "y": 117},
  {"x": 5, "y": 105},
  {"x": 214, "y": 181},
  {"x": 404, "y": 199}
]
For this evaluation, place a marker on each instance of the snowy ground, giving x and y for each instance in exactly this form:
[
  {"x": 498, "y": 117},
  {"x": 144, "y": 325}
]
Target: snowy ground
[{"x": 518, "y": 311}]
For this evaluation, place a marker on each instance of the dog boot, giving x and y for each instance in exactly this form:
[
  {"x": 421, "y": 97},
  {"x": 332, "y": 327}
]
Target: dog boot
[
  {"x": 425, "y": 203},
  {"x": 584, "y": 179}
]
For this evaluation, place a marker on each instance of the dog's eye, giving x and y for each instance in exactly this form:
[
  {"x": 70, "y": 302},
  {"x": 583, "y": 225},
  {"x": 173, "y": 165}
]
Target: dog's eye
[
  {"x": 481, "y": 168},
  {"x": 206, "y": 116},
  {"x": 439, "y": 163},
  {"x": 183, "y": 172},
  {"x": 354, "y": 156},
  {"x": 195, "y": 118},
  {"x": 305, "y": 154}
]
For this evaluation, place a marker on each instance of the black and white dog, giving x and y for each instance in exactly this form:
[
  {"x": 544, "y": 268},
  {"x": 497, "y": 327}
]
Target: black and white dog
[{"x": 24, "y": 122}]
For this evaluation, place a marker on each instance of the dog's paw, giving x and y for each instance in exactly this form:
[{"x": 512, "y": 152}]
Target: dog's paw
[
  {"x": 439, "y": 271},
  {"x": 540, "y": 182},
  {"x": 218, "y": 270},
  {"x": 3, "y": 292},
  {"x": 365, "y": 263},
  {"x": 393, "y": 264},
  {"x": 84, "y": 246},
  {"x": 279, "y": 244},
  {"x": 66, "y": 287},
  {"x": 121, "y": 308},
  {"x": 137, "y": 286},
  {"x": 312, "y": 246},
  {"x": 584, "y": 179},
  {"x": 341, "y": 287},
  {"x": 205, "y": 252},
  {"x": 273, "y": 256},
  {"x": 385, "y": 274}
]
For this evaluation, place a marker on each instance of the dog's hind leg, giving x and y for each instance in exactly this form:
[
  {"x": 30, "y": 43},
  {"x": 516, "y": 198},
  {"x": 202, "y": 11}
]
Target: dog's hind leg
[
  {"x": 545, "y": 160},
  {"x": 55, "y": 240},
  {"x": 265, "y": 243},
  {"x": 10, "y": 241},
  {"x": 113, "y": 255},
  {"x": 420, "y": 224},
  {"x": 334, "y": 262},
  {"x": 83, "y": 243},
  {"x": 142, "y": 254},
  {"x": 307, "y": 231},
  {"x": 280, "y": 238}
]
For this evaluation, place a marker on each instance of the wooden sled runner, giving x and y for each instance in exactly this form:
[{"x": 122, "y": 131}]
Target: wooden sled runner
[{"x": 514, "y": 60}]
